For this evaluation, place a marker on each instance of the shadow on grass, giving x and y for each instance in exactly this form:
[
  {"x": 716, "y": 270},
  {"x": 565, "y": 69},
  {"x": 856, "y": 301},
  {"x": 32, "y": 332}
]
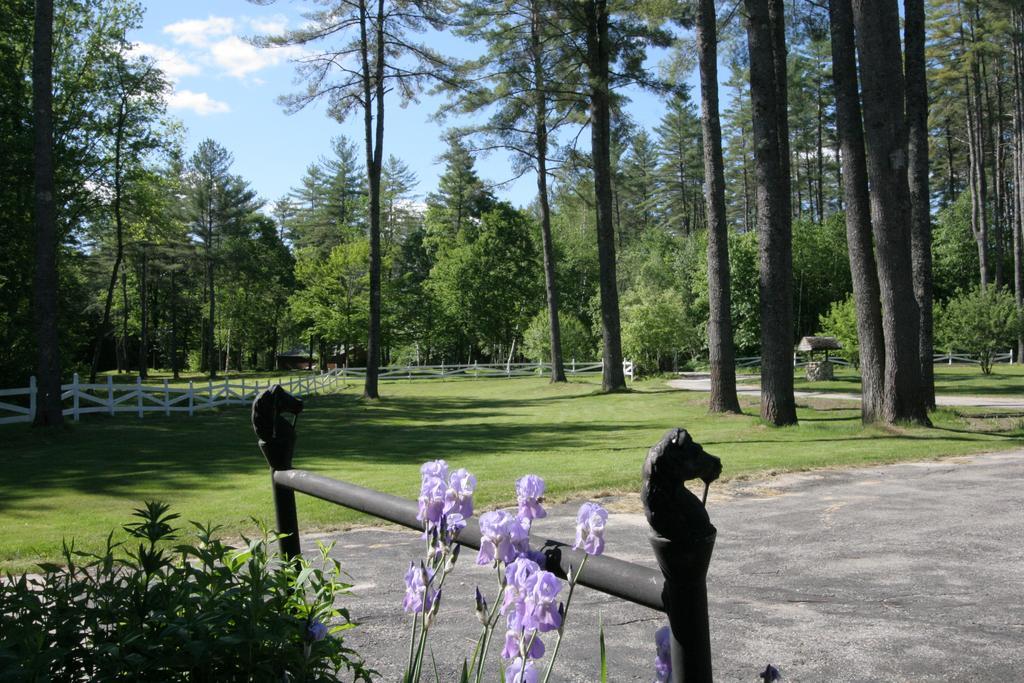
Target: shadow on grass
[
  {"x": 119, "y": 456},
  {"x": 127, "y": 457}
]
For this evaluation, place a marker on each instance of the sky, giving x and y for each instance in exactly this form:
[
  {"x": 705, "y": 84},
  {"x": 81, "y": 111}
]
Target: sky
[{"x": 226, "y": 89}]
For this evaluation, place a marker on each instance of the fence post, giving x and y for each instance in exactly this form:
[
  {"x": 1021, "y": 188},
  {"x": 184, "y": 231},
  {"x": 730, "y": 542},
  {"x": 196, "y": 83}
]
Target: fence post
[
  {"x": 245, "y": 396},
  {"x": 476, "y": 370},
  {"x": 227, "y": 391},
  {"x": 1011, "y": 355},
  {"x": 32, "y": 389},
  {"x": 74, "y": 397},
  {"x": 138, "y": 396},
  {"x": 949, "y": 357},
  {"x": 167, "y": 399},
  {"x": 191, "y": 399},
  {"x": 110, "y": 393}
]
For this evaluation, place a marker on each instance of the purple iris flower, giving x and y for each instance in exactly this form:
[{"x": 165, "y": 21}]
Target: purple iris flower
[
  {"x": 541, "y": 608},
  {"x": 519, "y": 535},
  {"x": 590, "y": 522},
  {"x": 459, "y": 495},
  {"x": 516, "y": 575},
  {"x": 317, "y": 630},
  {"x": 516, "y": 640},
  {"x": 663, "y": 660},
  {"x": 434, "y": 468},
  {"x": 431, "y": 500},
  {"x": 455, "y": 522},
  {"x": 515, "y": 673},
  {"x": 417, "y": 598},
  {"x": 495, "y": 544},
  {"x": 529, "y": 489}
]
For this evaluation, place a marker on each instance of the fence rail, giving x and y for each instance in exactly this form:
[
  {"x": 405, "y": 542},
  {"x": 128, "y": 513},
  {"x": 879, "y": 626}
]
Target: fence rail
[
  {"x": 947, "y": 358},
  {"x": 112, "y": 398}
]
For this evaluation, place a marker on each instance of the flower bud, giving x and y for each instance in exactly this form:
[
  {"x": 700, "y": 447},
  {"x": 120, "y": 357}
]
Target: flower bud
[{"x": 481, "y": 607}]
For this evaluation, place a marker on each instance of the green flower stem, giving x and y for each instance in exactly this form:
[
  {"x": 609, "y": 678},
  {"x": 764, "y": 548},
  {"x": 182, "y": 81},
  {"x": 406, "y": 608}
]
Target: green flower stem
[{"x": 573, "y": 578}]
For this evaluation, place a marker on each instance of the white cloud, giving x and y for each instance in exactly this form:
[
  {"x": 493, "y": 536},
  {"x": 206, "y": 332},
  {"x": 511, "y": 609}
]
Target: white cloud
[
  {"x": 174, "y": 64},
  {"x": 199, "y": 102},
  {"x": 199, "y": 32},
  {"x": 269, "y": 25},
  {"x": 239, "y": 58}
]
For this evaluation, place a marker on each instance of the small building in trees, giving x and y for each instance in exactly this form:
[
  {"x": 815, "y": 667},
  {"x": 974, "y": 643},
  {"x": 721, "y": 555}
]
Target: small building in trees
[{"x": 298, "y": 358}]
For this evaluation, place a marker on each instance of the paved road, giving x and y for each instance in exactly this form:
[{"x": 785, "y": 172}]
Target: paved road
[
  {"x": 701, "y": 382},
  {"x": 910, "y": 572}
]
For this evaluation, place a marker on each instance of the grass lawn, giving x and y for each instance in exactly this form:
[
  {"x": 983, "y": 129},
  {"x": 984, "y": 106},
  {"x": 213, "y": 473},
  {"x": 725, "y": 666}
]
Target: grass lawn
[
  {"x": 85, "y": 479},
  {"x": 963, "y": 380}
]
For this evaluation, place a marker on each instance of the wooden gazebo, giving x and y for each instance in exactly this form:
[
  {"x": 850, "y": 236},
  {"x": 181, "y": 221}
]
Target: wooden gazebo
[{"x": 822, "y": 370}]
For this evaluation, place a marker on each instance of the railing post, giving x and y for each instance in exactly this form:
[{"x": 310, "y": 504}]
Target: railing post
[
  {"x": 276, "y": 438},
  {"x": 244, "y": 396},
  {"x": 74, "y": 398},
  {"x": 138, "y": 396},
  {"x": 167, "y": 399},
  {"x": 110, "y": 393},
  {"x": 683, "y": 540},
  {"x": 32, "y": 391},
  {"x": 574, "y": 366},
  {"x": 191, "y": 399}
]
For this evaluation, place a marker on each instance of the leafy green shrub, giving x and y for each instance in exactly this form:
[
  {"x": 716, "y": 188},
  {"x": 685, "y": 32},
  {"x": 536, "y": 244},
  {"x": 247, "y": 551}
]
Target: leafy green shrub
[
  {"x": 841, "y": 322},
  {"x": 195, "y": 611},
  {"x": 576, "y": 340},
  {"x": 978, "y": 322},
  {"x": 656, "y": 331}
]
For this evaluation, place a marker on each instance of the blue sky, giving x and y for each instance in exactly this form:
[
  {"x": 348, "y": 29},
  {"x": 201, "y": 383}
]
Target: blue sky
[{"x": 226, "y": 89}]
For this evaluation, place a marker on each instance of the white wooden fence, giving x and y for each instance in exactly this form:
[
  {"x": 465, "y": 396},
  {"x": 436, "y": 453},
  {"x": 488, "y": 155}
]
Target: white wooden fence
[
  {"x": 485, "y": 370},
  {"x": 111, "y": 398},
  {"x": 947, "y": 358}
]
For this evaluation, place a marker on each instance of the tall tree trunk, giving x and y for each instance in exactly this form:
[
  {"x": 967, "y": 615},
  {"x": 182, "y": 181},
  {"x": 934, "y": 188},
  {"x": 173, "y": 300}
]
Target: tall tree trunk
[
  {"x": 547, "y": 244},
  {"x": 766, "y": 43},
  {"x": 976, "y": 154},
  {"x": 49, "y": 410},
  {"x": 858, "y": 211},
  {"x": 598, "y": 56},
  {"x": 106, "y": 330},
  {"x": 124, "y": 322},
  {"x": 174, "y": 327},
  {"x": 1017, "y": 22},
  {"x": 211, "y": 343},
  {"x": 920, "y": 195},
  {"x": 373, "y": 93},
  {"x": 144, "y": 316},
  {"x": 722, "y": 355},
  {"x": 876, "y": 25}
]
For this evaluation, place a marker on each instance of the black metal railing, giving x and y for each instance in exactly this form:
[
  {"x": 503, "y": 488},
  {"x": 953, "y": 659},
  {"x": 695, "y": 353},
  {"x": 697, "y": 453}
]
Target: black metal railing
[{"x": 679, "y": 589}]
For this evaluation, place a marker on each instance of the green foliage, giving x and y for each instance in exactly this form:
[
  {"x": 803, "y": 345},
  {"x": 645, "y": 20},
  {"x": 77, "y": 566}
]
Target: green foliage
[
  {"x": 979, "y": 322},
  {"x": 577, "y": 342},
  {"x": 954, "y": 252},
  {"x": 487, "y": 280},
  {"x": 841, "y": 322},
  {"x": 656, "y": 331},
  {"x": 175, "y": 609}
]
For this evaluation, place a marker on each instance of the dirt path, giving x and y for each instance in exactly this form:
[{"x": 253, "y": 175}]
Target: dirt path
[
  {"x": 701, "y": 382},
  {"x": 908, "y": 572}
]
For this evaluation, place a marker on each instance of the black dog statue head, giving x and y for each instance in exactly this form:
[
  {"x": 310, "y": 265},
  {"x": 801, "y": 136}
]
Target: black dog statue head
[
  {"x": 673, "y": 511},
  {"x": 275, "y": 433}
]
